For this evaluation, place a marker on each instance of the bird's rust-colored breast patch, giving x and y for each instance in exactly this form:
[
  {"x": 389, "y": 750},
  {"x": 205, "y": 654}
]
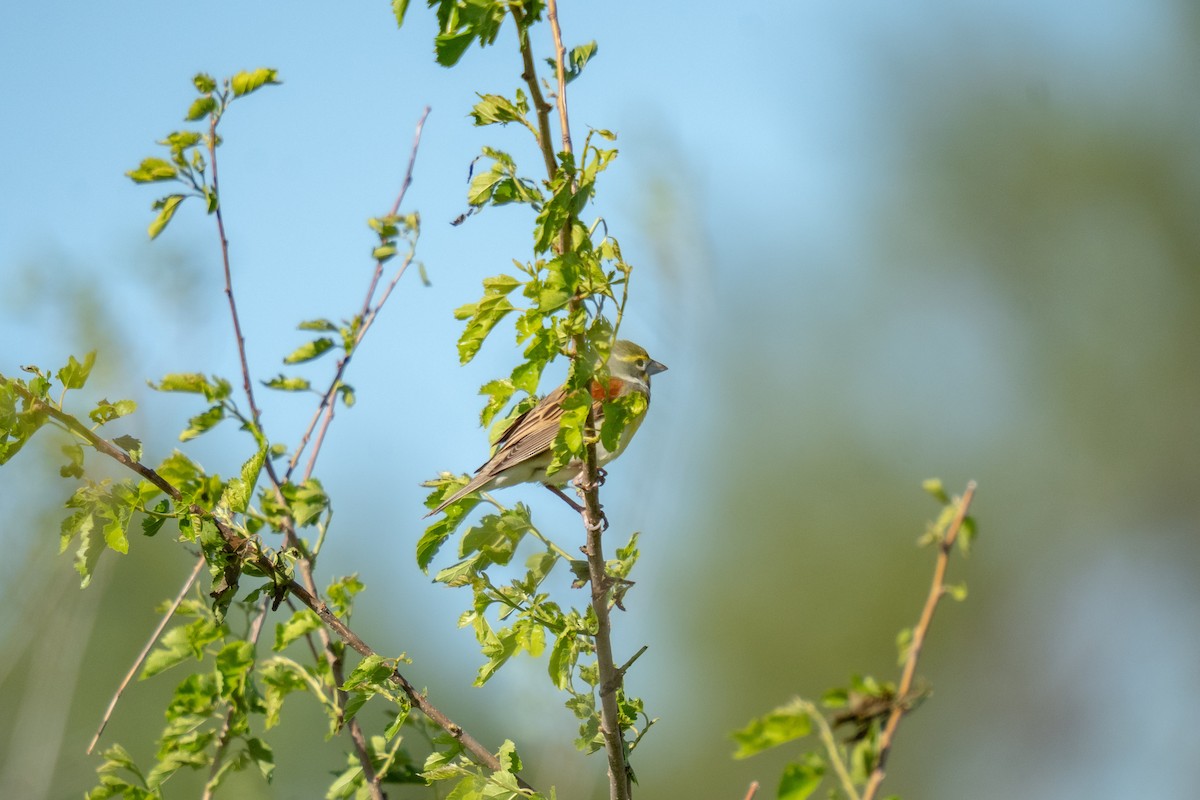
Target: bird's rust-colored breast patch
[{"x": 614, "y": 387}]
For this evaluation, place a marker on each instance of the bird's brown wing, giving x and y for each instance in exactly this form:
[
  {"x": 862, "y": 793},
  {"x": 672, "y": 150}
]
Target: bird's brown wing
[{"x": 527, "y": 436}]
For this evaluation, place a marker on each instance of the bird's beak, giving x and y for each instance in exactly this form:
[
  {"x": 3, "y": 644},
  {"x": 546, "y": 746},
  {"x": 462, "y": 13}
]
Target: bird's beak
[{"x": 654, "y": 367}]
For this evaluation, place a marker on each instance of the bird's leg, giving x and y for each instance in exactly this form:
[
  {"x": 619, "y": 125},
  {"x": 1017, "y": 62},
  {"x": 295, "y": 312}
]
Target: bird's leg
[{"x": 578, "y": 508}]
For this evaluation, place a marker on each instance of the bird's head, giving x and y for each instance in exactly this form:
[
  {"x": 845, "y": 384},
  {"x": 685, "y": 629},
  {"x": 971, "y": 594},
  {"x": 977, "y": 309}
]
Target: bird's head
[{"x": 631, "y": 364}]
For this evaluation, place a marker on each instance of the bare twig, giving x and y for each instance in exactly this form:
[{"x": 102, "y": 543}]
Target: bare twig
[
  {"x": 367, "y": 315},
  {"x": 233, "y": 312},
  {"x": 540, "y": 106},
  {"x": 560, "y": 62},
  {"x": 936, "y": 590},
  {"x": 831, "y": 749},
  {"x": 753, "y": 790},
  {"x": 141, "y": 657}
]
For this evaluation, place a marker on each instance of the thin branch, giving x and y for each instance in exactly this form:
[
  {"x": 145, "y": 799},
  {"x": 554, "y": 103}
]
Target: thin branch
[
  {"x": 367, "y": 315},
  {"x": 233, "y": 312},
  {"x": 560, "y": 61},
  {"x": 141, "y": 657},
  {"x": 936, "y": 590},
  {"x": 831, "y": 749},
  {"x": 753, "y": 790},
  {"x": 540, "y": 106},
  {"x": 625, "y": 667}
]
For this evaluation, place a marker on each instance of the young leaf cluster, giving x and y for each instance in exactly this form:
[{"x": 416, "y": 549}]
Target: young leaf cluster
[
  {"x": 868, "y": 709},
  {"x": 185, "y": 163}
]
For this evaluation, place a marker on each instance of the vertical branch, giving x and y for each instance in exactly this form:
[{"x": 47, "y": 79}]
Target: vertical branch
[
  {"x": 560, "y": 61},
  {"x": 237, "y": 325},
  {"x": 611, "y": 679},
  {"x": 936, "y": 590},
  {"x": 540, "y": 106}
]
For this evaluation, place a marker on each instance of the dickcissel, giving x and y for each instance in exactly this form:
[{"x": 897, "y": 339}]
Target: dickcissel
[{"x": 523, "y": 451}]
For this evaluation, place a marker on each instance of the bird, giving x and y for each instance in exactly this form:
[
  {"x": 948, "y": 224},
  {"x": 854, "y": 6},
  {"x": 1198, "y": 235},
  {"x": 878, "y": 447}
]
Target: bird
[{"x": 523, "y": 451}]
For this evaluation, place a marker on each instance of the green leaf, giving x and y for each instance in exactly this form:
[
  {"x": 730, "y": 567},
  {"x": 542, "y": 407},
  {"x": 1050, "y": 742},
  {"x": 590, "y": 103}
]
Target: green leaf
[
  {"x": 496, "y": 537},
  {"x": 562, "y": 658},
  {"x": 508, "y": 758},
  {"x": 801, "y": 778},
  {"x": 74, "y": 466},
  {"x": 194, "y": 383},
  {"x": 152, "y": 170},
  {"x": 204, "y": 83},
  {"x": 399, "y": 7},
  {"x": 780, "y": 726},
  {"x": 310, "y": 350},
  {"x": 449, "y": 47},
  {"x": 484, "y": 316},
  {"x": 303, "y": 621},
  {"x": 527, "y": 374},
  {"x": 431, "y": 541},
  {"x": 903, "y": 645},
  {"x": 182, "y": 643},
  {"x": 306, "y": 500},
  {"x": 935, "y": 489},
  {"x": 501, "y": 284},
  {"x": 106, "y": 412},
  {"x": 244, "y": 83},
  {"x": 260, "y": 754},
  {"x": 966, "y": 535},
  {"x": 203, "y": 422},
  {"x": 621, "y": 418},
  {"x": 494, "y": 109},
  {"x": 286, "y": 384},
  {"x": 116, "y": 526},
  {"x": 233, "y": 663},
  {"x": 130, "y": 445},
  {"x": 318, "y": 325},
  {"x": 957, "y": 591},
  {"x": 74, "y": 375},
  {"x": 498, "y": 392},
  {"x": 201, "y": 107},
  {"x": 341, "y": 594},
  {"x": 577, "y": 59},
  {"x": 166, "y": 207},
  {"x": 279, "y": 677},
  {"x": 531, "y": 636},
  {"x": 239, "y": 490},
  {"x": 373, "y": 671},
  {"x": 151, "y": 523}
]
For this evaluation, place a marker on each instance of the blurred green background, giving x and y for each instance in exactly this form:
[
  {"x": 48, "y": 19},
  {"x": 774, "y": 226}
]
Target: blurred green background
[{"x": 874, "y": 243}]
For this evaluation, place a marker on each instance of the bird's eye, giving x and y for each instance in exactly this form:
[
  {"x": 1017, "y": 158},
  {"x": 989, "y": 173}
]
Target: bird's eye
[{"x": 640, "y": 363}]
